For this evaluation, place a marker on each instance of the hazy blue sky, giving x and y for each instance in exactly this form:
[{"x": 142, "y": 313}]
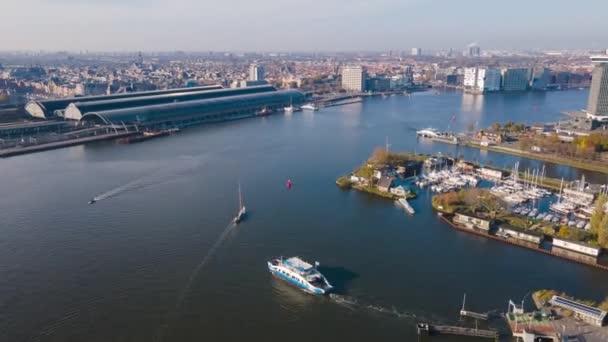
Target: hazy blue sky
[{"x": 287, "y": 25}]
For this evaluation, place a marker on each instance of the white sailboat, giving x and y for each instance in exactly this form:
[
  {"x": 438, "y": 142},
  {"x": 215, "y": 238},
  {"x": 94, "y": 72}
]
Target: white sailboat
[{"x": 242, "y": 211}]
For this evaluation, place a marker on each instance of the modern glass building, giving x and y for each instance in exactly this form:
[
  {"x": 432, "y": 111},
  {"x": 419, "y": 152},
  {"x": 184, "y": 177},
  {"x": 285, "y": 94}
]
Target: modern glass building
[{"x": 597, "y": 104}]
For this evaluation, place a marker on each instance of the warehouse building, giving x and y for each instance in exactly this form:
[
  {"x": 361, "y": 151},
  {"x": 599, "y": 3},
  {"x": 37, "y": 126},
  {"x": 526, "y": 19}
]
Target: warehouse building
[
  {"x": 45, "y": 109},
  {"x": 586, "y": 313},
  {"x": 197, "y": 111},
  {"x": 76, "y": 110}
]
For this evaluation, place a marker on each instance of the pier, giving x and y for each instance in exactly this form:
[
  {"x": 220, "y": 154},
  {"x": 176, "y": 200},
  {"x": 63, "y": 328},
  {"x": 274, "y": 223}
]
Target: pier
[
  {"x": 466, "y": 313},
  {"x": 431, "y": 329}
]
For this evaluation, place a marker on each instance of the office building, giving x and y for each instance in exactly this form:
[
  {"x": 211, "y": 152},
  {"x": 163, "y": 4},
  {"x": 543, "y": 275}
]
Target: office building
[
  {"x": 480, "y": 80},
  {"x": 473, "y": 50},
  {"x": 597, "y": 104},
  {"x": 515, "y": 79},
  {"x": 540, "y": 78},
  {"x": 353, "y": 78},
  {"x": 416, "y": 52},
  {"x": 256, "y": 72}
]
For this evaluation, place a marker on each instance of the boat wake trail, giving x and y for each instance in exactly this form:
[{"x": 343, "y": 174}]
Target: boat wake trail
[
  {"x": 356, "y": 305},
  {"x": 158, "y": 177},
  {"x": 187, "y": 289}
]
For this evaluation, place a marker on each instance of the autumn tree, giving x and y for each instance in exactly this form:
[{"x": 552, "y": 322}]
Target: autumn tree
[
  {"x": 602, "y": 234},
  {"x": 598, "y": 214},
  {"x": 379, "y": 156}
]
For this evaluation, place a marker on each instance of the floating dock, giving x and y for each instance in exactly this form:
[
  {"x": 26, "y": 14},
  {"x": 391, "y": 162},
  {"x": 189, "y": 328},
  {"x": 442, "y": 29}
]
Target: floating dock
[{"x": 430, "y": 329}]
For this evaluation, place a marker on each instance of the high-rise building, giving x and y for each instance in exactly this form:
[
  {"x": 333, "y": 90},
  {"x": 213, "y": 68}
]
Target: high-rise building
[
  {"x": 416, "y": 52},
  {"x": 515, "y": 79},
  {"x": 353, "y": 78},
  {"x": 597, "y": 104},
  {"x": 474, "y": 50},
  {"x": 256, "y": 72},
  {"x": 480, "y": 80},
  {"x": 540, "y": 78}
]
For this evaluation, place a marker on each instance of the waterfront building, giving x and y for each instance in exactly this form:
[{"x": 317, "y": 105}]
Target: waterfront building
[
  {"x": 198, "y": 111},
  {"x": 353, "y": 78},
  {"x": 489, "y": 173},
  {"x": 597, "y": 104},
  {"x": 416, "y": 52},
  {"x": 575, "y": 250},
  {"x": 384, "y": 184},
  {"x": 45, "y": 109},
  {"x": 582, "y": 311},
  {"x": 540, "y": 78},
  {"x": 378, "y": 84},
  {"x": 520, "y": 234},
  {"x": 515, "y": 79},
  {"x": 256, "y": 72},
  {"x": 479, "y": 80},
  {"x": 76, "y": 110},
  {"x": 472, "y": 221}
]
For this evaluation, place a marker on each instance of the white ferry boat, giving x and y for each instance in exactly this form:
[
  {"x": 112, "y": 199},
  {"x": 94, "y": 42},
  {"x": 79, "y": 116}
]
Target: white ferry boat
[{"x": 300, "y": 273}]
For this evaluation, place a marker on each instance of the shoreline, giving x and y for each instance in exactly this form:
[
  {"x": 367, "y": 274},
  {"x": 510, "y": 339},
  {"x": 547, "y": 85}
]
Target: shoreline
[
  {"x": 555, "y": 160},
  {"x": 519, "y": 244}
]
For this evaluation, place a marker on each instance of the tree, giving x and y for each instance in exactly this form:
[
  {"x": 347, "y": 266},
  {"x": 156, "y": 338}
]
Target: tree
[
  {"x": 496, "y": 127},
  {"x": 598, "y": 214},
  {"x": 379, "y": 156},
  {"x": 602, "y": 234},
  {"x": 564, "y": 232}
]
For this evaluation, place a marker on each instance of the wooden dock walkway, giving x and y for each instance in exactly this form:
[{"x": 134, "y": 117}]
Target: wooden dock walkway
[{"x": 430, "y": 329}]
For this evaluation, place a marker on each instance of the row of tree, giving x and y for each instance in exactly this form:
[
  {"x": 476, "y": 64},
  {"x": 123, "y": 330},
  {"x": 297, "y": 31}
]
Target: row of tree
[
  {"x": 508, "y": 127},
  {"x": 599, "y": 221}
]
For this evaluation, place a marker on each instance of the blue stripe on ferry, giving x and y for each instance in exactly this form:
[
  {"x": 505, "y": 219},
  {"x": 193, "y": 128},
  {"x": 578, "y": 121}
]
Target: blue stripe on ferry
[{"x": 289, "y": 279}]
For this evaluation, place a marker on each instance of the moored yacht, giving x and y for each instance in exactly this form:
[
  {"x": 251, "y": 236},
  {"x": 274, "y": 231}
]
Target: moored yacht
[
  {"x": 310, "y": 106},
  {"x": 300, "y": 273}
]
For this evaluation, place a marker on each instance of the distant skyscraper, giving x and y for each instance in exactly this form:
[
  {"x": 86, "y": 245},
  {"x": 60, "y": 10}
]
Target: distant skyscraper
[
  {"x": 597, "y": 104},
  {"x": 480, "y": 80},
  {"x": 353, "y": 78},
  {"x": 515, "y": 79},
  {"x": 473, "y": 50},
  {"x": 256, "y": 72},
  {"x": 416, "y": 52}
]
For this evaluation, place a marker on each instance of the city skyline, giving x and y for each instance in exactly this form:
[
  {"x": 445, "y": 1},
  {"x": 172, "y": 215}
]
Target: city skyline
[{"x": 331, "y": 25}]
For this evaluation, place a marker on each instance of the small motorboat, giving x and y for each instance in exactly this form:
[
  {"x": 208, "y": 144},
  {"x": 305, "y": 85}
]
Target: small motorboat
[
  {"x": 242, "y": 210},
  {"x": 92, "y": 201}
]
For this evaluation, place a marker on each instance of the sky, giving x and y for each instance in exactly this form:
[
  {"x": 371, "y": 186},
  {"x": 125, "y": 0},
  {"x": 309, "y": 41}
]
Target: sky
[{"x": 301, "y": 25}]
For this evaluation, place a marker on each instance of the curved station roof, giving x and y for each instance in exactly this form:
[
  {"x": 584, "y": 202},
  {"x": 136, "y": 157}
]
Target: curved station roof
[
  {"x": 198, "y": 109},
  {"x": 44, "y": 109},
  {"x": 76, "y": 110}
]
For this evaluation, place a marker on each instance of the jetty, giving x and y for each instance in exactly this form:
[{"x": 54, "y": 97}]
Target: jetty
[
  {"x": 466, "y": 313},
  {"x": 431, "y": 329}
]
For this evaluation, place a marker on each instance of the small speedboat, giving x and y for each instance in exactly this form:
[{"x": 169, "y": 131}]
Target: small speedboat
[
  {"x": 92, "y": 201},
  {"x": 242, "y": 210}
]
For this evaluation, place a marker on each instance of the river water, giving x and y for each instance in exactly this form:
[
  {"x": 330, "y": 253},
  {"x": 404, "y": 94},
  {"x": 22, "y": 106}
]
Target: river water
[{"x": 155, "y": 259}]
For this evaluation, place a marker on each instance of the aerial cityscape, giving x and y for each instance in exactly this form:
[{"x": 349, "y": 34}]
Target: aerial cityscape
[{"x": 415, "y": 171}]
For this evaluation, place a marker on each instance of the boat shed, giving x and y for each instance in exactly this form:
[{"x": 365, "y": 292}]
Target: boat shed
[
  {"x": 76, "y": 110},
  {"x": 45, "y": 109},
  {"x": 586, "y": 313},
  {"x": 520, "y": 234},
  {"x": 576, "y": 250},
  {"x": 472, "y": 221},
  {"x": 197, "y": 111}
]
